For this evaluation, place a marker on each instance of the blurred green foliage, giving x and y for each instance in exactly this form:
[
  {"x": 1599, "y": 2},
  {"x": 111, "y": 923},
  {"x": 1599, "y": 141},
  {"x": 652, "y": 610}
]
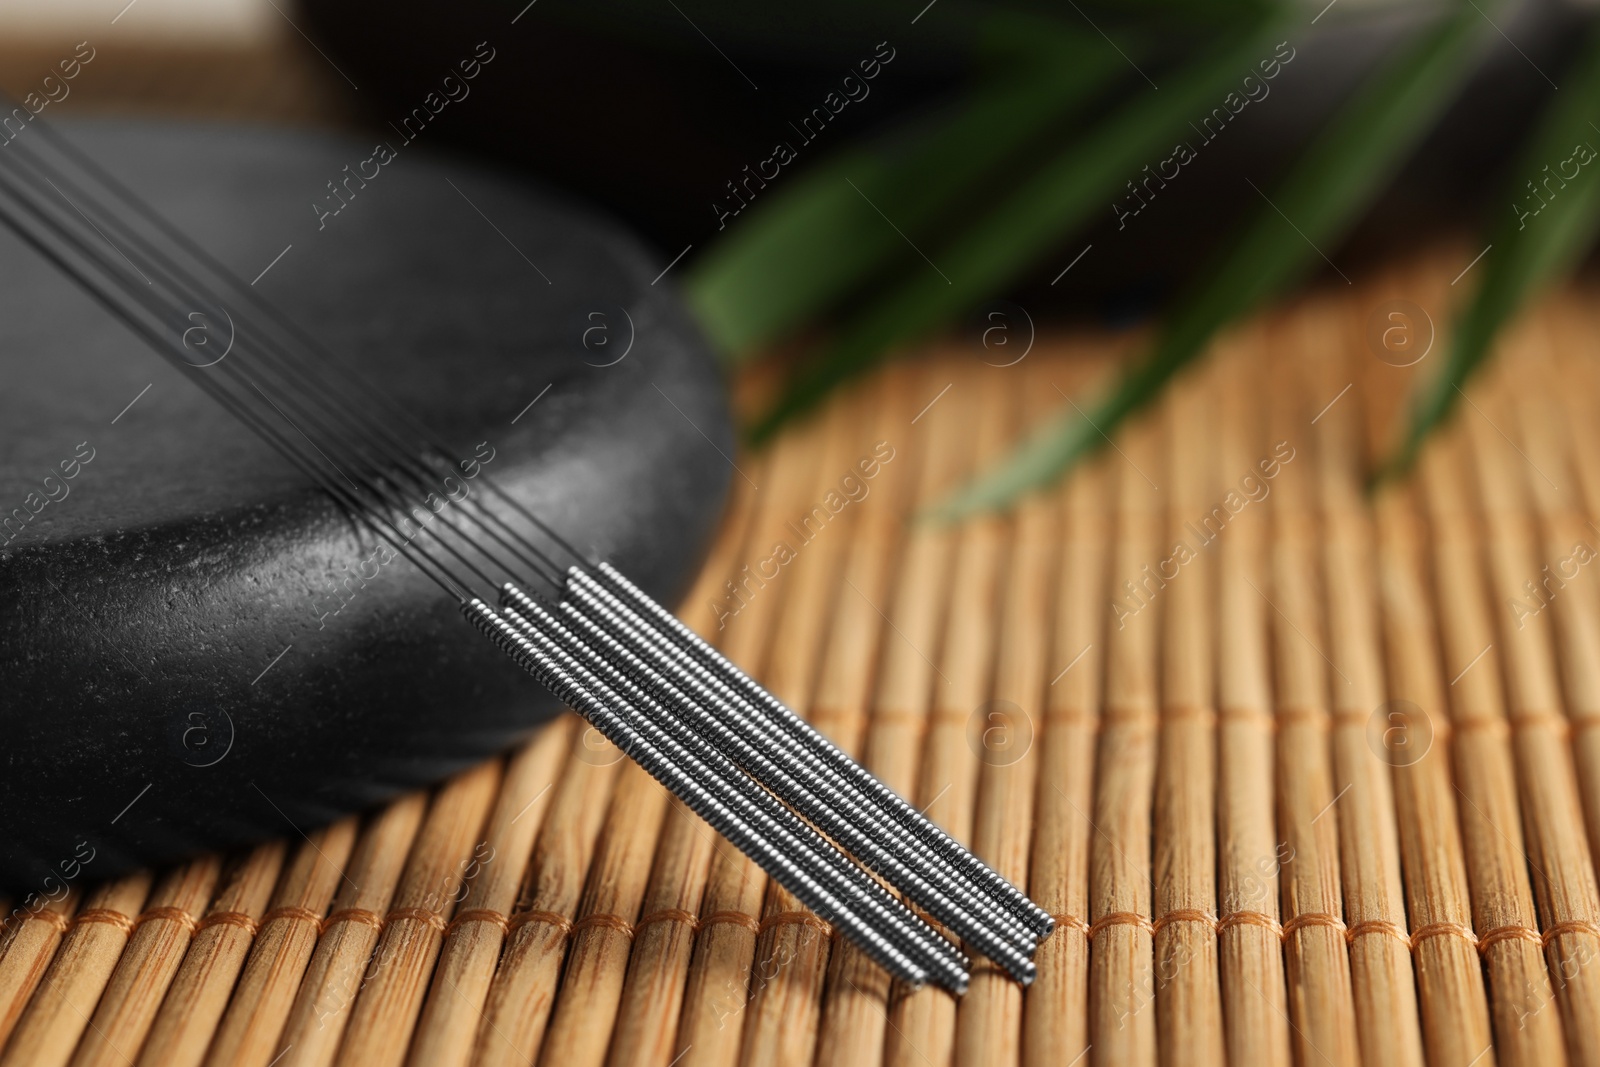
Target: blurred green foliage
[{"x": 972, "y": 188}]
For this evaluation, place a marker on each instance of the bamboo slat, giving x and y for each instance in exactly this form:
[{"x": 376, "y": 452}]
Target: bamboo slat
[
  {"x": 1252, "y": 852},
  {"x": 1122, "y": 977},
  {"x": 923, "y": 1023},
  {"x": 1571, "y": 379},
  {"x": 854, "y": 1013},
  {"x": 1055, "y": 1026},
  {"x": 912, "y": 610},
  {"x": 1320, "y": 818},
  {"x": 1188, "y": 990},
  {"x": 1332, "y": 540},
  {"x": 1413, "y": 737},
  {"x": 1001, "y": 731}
]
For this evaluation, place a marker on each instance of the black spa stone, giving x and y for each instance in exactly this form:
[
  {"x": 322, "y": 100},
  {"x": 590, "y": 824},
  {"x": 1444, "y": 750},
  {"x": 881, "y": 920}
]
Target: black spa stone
[{"x": 176, "y": 671}]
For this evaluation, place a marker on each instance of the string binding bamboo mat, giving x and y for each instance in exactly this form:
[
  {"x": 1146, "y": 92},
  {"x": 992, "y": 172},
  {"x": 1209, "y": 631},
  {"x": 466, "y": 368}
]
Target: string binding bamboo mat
[{"x": 1306, "y": 777}]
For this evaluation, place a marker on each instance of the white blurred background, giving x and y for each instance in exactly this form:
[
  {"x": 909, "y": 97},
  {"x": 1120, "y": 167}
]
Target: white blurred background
[
  {"x": 231, "y": 21},
  {"x": 200, "y": 59}
]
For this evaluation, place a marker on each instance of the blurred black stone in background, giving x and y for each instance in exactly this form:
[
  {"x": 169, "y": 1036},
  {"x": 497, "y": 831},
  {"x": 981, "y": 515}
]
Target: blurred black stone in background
[{"x": 635, "y": 107}]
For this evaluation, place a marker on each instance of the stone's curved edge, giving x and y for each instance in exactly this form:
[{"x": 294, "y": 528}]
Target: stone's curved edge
[{"x": 129, "y": 651}]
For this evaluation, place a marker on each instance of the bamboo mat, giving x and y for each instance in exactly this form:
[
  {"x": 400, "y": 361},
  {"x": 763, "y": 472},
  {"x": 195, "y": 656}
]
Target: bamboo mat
[{"x": 1306, "y": 777}]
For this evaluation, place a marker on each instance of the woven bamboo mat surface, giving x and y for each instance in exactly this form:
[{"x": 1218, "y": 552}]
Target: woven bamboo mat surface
[{"x": 1307, "y": 777}]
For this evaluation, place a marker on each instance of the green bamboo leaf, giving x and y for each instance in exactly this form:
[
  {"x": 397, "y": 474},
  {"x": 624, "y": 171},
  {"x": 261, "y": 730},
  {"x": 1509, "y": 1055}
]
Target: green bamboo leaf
[
  {"x": 815, "y": 242},
  {"x": 998, "y": 245},
  {"x": 1326, "y": 190},
  {"x": 1527, "y": 252}
]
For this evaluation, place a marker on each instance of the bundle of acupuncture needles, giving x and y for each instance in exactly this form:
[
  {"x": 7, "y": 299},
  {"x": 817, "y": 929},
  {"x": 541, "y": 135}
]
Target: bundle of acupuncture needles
[{"x": 817, "y": 822}]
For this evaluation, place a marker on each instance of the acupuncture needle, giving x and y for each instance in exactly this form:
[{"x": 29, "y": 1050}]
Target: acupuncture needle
[{"x": 751, "y": 707}]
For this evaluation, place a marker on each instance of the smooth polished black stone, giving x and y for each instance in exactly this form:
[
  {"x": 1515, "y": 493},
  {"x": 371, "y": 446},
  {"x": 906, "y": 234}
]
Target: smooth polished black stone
[{"x": 172, "y": 677}]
